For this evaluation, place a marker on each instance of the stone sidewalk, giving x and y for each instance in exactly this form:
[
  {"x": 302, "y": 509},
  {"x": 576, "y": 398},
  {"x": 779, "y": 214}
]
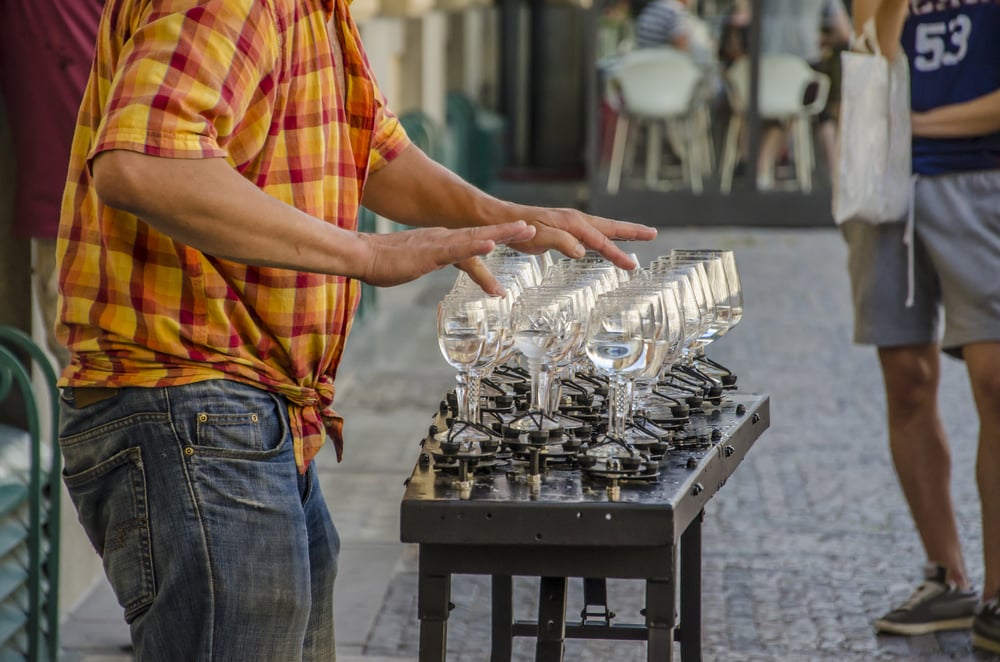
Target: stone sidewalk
[{"x": 807, "y": 543}]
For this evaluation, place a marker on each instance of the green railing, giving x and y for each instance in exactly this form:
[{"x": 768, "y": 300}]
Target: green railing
[
  {"x": 425, "y": 133},
  {"x": 476, "y": 136},
  {"x": 30, "y": 489}
]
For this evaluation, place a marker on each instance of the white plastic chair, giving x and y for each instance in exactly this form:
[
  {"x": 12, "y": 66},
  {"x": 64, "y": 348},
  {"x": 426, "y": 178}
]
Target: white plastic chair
[
  {"x": 658, "y": 87},
  {"x": 783, "y": 83}
]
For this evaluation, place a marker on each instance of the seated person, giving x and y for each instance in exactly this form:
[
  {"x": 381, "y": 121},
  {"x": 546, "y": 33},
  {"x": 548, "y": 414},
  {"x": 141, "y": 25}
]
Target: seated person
[
  {"x": 670, "y": 23},
  {"x": 797, "y": 27}
]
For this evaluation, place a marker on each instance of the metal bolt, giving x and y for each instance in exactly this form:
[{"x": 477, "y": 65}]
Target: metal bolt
[
  {"x": 755, "y": 418},
  {"x": 741, "y": 409},
  {"x": 697, "y": 489},
  {"x": 728, "y": 451}
]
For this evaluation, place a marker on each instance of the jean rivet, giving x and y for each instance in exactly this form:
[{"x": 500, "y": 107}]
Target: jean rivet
[
  {"x": 188, "y": 451},
  {"x": 253, "y": 417},
  {"x": 203, "y": 418}
]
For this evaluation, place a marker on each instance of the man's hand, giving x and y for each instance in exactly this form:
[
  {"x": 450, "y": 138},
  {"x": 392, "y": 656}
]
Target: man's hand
[
  {"x": 399, "y": 257},
  {"x": 572, "y": 232}
]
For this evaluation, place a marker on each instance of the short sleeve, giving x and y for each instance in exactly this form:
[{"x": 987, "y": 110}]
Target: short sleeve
[
  {"x": 390, "y": 138},
  {"x": 186, "y": 76}
]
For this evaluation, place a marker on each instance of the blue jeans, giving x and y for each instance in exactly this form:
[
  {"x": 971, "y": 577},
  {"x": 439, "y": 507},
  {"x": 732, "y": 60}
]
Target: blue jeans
[{"x": 216, "y": 547}]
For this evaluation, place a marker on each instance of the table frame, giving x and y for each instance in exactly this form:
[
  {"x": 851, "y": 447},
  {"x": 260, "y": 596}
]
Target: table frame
[{"x": 537, "y": 531}]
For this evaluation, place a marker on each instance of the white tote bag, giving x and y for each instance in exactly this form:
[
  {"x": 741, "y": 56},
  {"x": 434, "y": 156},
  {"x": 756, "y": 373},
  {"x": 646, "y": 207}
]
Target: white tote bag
[{"x": 872, "y": 182}]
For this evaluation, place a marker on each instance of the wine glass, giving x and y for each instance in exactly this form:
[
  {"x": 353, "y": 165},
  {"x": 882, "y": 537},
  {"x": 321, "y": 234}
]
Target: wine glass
[
  {"x": 730, "y": 309},
  {"x": 462, "y": 335},
  {"x": 699, "y": 312},
  {"x": 664, "y": 351},
  {"x": 539, "y": 324},
  {"x": 617, "y": 343}
]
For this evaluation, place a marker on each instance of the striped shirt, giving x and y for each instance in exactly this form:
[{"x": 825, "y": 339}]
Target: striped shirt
[
  {"x": 660, "y": 23},
  {"x": 264, "y": 85}
]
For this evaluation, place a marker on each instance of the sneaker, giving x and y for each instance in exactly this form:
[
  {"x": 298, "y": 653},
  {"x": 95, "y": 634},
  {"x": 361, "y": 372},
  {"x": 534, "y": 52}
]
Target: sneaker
[
  {"x": 935, "y": 605},
  {"x": 986, "y": 627}
]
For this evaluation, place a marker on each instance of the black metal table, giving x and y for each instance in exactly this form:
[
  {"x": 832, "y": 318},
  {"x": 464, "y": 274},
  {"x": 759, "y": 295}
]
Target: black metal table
[{"x": 561, "y": 525}]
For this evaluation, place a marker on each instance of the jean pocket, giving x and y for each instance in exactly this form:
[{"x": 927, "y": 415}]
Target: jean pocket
[
  {"x": 112, "y": 502},
  {"x": 246, "y": 435}
]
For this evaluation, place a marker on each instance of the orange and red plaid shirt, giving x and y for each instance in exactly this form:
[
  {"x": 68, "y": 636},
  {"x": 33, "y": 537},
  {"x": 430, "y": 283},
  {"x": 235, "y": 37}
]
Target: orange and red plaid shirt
[{"x": 283, "y": 91}]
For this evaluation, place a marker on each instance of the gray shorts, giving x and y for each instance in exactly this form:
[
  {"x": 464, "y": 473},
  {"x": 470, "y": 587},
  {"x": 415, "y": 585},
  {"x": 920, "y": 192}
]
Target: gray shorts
[{"x": 956, "y": 267}]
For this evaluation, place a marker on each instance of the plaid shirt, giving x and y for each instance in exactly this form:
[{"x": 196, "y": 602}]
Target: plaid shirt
[{"x": 283, "y": 91}]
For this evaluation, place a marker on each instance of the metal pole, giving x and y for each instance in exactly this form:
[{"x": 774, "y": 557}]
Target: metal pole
[{"x": 753, "y": 114}]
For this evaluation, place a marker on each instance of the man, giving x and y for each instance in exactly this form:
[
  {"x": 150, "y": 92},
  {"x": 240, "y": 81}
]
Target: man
[
  {"x": 209, "y": 270},
  {"x": 954, "y": 62}
]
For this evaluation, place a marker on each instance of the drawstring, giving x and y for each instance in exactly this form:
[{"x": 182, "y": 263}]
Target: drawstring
[{"x": 908, "y": 240}]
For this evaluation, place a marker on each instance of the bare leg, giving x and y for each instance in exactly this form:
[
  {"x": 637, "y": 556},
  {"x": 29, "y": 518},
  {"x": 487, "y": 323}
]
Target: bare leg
[
  {"x": 772, "y": 141},
  {"x": 828, "y": 138},
  {"x": 920, "y": 451},
  {"x": 983, "y": 361}
]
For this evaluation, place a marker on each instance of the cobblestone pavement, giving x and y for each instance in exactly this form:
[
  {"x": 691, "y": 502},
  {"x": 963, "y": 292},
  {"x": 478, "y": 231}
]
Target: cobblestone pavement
[
  {"x": 810, "y": 540},
  {"x": 804, "y": 546}
]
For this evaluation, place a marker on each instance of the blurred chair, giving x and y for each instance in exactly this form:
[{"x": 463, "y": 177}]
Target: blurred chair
[
  {"x": 660, "y": 89},
  {"x": 784, "y": 81}
]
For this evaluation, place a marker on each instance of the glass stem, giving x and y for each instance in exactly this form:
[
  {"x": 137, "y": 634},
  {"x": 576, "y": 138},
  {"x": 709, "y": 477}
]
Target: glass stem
[
  {"x": 462, "y": 395},
  {"x": 618, "y": 411},
  {"x": 544, "y": 389},
  {"x": 629, "y": 387},
  {"x": 475, "y": 386},
  {"x": 535, "y": 370},
  {"x": 553, "y": 392}
]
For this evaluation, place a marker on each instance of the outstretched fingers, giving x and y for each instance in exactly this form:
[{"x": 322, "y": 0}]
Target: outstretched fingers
[
  {"x": 505, "y": 233},
  {"x": 572, "y": 232},
  {"x": 481, "y": 276},
  {"x": 598, "y": 234},
  {"x": 458, "y": 245},
  {"x": 463, "y": 248}
]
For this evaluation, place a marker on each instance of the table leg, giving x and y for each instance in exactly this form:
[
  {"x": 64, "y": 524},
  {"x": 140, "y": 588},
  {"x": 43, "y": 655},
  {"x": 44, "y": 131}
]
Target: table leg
[
  {"x": 433, "y": 605},
  {"x": 660, "y": 619},
  {"x": 551, "y": 619},
  {"x": 503, "y": 618},
  {"x": 691, "y": 591}
]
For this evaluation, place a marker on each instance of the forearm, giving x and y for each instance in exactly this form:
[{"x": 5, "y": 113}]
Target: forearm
[
  {"x": 207, "y": 205},
  {"x": 889, "y": 17},
  {"x": 415, "y": 190},
  {"x": 978, "y": 117}
]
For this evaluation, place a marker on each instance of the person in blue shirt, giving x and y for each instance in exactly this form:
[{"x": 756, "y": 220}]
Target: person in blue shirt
[{"x": 954, "y": 61}]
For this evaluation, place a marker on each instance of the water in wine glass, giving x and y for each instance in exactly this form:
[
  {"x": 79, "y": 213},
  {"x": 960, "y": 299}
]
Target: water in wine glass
[
  {"x": 533, "y": 343},
  {"x": 613, "y": 351},
  {"x": 461, "y": 345}
]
